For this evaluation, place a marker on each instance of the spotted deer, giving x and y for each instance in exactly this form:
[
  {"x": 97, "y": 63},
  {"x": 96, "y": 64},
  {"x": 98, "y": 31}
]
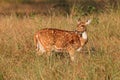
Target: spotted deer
[{"x": 49, "y": 39}]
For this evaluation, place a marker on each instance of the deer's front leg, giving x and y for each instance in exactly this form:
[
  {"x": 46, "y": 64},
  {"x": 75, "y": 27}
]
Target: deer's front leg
[{"x": 71, "y": 52}]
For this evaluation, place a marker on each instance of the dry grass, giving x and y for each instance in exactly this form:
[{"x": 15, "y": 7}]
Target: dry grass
[{"x": 99, "y": 60}]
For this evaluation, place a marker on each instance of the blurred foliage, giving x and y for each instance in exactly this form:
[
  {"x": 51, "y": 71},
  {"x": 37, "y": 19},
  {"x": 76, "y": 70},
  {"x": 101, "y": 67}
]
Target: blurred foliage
[
  {"x": 70, "y": 7},
  {"x": 17, "y": 1},
  {"x": 85, "y": 7}
]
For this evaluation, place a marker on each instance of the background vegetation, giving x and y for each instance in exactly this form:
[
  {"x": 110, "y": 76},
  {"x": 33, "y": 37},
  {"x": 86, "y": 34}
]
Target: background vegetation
[
  {"x": 58, "y": 7},
  {"x": 20, "y": 19}
]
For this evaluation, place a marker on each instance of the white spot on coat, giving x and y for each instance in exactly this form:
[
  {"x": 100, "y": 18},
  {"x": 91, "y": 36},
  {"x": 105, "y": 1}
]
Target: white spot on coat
[{"x": 79, "y": 49}]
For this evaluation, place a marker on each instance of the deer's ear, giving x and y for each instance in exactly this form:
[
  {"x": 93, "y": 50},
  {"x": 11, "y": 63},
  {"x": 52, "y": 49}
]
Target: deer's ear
[
  {"x": 88, "y": 22},
  {"x": 79, "y": 21}
]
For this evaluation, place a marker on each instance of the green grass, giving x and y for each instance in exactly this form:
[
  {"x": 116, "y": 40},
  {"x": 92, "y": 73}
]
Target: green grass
[{"x": 99, "y": 59}]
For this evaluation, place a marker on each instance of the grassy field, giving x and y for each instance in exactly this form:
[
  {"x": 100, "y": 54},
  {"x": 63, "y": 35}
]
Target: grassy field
[{"x": 99, "y": 59}]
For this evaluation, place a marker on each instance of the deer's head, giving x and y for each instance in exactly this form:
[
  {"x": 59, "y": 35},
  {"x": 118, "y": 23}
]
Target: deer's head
[{"x": 81, "y": 26}]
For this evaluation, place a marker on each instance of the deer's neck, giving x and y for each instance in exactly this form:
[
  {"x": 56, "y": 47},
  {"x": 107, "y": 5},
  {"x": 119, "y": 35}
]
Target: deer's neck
[{"x": 83, "y": 38}]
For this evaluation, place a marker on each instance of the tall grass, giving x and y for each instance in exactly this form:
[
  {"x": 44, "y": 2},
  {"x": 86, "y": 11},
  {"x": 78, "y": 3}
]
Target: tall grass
[{"x": 99, "y": 59}]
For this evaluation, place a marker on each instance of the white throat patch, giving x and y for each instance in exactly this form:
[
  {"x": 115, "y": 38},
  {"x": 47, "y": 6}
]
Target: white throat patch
[{"x": 84, "y": 35}]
